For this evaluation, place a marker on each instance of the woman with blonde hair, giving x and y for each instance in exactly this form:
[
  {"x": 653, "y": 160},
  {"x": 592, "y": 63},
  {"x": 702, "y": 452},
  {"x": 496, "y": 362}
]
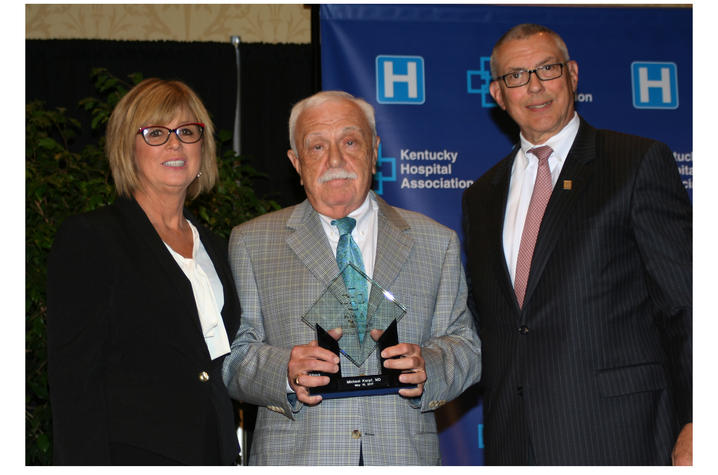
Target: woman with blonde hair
[{"x": 141, "y": 302}]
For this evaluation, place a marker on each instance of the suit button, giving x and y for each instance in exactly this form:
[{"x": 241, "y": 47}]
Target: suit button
[
  {"x": 523, "y": 330},
  {"x": 356, "y": 434},
  {"x": 520, "y": 391},
  {"x": 203, "y": 376}
]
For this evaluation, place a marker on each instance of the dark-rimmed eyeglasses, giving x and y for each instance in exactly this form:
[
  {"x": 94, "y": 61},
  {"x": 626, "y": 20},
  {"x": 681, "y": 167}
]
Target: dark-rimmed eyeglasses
[
  {"x": 158, "y": 135},
  {"x": 522, "y": 76}
]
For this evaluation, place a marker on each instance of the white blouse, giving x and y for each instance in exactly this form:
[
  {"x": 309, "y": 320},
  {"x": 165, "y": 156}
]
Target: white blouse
[{"x": 208, "y": 294}]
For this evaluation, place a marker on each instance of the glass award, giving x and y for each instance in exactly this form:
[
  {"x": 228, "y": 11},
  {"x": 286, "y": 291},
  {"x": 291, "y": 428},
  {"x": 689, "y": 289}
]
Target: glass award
[{"x": 356, "y": 315}]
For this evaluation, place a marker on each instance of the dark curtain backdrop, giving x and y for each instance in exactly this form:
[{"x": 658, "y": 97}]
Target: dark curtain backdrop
[{"x": 273, "y": 78}]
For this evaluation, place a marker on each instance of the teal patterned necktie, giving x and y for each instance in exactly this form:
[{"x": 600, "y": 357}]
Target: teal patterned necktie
[{"x": 348, "y": 252}]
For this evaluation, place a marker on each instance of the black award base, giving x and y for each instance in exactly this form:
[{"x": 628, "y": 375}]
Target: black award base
[{"x": 385, "y": 383}]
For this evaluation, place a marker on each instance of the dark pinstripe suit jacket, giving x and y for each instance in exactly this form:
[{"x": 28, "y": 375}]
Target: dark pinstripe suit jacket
[{"x": 596, "y": 369}]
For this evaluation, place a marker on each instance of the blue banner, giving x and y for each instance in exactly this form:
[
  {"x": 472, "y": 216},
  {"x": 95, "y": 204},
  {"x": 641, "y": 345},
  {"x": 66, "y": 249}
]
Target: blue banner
[{"x": 425, "y": 69}]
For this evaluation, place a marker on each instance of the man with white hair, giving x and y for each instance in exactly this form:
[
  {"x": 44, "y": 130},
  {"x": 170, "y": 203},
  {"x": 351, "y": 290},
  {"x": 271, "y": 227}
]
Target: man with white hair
[{"x": 283, "y": 261}]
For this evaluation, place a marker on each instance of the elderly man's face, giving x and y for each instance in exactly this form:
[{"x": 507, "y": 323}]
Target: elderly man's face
[
  {"x": 336, "y": 158},
  {"x": 540, "y": 108}
]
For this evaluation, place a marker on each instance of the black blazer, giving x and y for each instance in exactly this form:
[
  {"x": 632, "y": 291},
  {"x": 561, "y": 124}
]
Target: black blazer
[
  {"x": 596, "y": 368},
  {"x": 126, "y": 355}
]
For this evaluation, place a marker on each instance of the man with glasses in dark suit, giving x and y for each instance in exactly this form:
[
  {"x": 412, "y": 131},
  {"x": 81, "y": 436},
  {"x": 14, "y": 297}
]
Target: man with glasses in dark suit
[{"x": 579, "y": 261}]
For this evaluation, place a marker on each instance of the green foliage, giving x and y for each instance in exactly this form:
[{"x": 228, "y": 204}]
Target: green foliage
[
  {"x": 61, "y": 182},
  {"x": 111, "y": 89},
  {"x": 233, "y": 200}
]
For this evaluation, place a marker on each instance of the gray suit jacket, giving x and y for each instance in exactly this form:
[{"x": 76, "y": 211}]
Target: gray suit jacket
[{"x": 282, "y": 262}]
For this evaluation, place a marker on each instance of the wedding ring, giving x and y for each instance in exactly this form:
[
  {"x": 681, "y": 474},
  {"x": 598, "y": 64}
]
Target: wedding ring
[{"x": 296, "y": 380}]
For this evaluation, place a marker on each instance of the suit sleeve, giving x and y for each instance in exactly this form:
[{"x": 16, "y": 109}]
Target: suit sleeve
[
  {"x": 78, "y": 294},
  {"x": 453, "y": 354},
  {"x": 662, "y": 221},
  {"x": 254, "y": 372}
]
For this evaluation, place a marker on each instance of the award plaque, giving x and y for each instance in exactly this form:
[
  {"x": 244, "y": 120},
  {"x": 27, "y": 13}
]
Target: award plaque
[{"x": 335, "y": 308}]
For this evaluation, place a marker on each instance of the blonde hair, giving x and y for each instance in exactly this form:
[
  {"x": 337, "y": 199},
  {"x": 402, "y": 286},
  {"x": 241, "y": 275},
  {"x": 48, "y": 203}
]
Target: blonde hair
[
  {"x": 322, "y": 97},
  {"x": 151, "y": 102}
]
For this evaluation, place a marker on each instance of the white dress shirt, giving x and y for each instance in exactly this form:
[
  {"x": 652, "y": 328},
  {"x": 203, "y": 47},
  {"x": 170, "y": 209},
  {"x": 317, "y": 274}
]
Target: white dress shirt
[
  {"x": 523, "y": 176},
  {"x": 208, "y": 294},
  {"x": 364, "y": 233}
]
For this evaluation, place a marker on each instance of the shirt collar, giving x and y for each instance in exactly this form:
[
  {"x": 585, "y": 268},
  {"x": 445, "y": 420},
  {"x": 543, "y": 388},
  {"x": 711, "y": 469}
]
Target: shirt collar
[
  {"x": 560, "y": 143},
  {"x": 362, "y": 214}
]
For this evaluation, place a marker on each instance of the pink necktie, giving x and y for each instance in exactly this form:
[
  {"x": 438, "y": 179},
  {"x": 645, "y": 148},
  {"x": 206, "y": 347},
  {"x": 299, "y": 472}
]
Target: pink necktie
[{"x": 539, "y": 199}]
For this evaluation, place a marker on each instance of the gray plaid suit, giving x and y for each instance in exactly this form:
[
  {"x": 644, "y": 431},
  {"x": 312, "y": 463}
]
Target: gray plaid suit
[{"x": 281, "y": 263}]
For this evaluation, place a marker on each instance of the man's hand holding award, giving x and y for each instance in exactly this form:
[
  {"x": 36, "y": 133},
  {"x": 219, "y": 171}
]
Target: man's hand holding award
[{"x": 353, "y": 317}]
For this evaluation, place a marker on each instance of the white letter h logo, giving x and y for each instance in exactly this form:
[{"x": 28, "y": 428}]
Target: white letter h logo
[
  {"x": 409, "y": 78},
  {"x": 664, "y": 84}
]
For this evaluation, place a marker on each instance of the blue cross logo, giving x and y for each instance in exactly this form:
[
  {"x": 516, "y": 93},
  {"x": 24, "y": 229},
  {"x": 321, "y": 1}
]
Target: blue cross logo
[
  {"x": 477, "y": 82},
  {"x": 379, "y": 177}
]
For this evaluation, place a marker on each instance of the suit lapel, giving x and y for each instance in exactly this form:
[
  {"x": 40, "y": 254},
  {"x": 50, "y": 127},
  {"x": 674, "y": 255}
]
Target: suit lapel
[
  {"x": 310, "y": 244},
  {"x": 152, "y": 253},
  {"x": 577, "y": 169},
  {"x": 393, "y": 245},
  {"x": 496, "y": 206}
]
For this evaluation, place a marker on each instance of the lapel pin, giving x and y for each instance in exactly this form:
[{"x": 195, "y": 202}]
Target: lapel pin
[{"x": 567, "y": 184}]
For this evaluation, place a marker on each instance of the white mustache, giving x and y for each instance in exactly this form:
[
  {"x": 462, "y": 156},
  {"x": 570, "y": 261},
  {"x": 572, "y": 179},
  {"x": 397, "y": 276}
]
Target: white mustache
[{"x": 336, "y": 174}]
